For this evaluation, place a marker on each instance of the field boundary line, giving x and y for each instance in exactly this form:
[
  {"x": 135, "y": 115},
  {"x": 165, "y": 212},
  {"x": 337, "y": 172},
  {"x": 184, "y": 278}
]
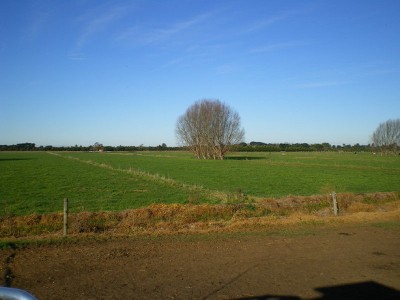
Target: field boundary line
[
  {"x": 146, "y": 175},
  {"x": 342, "y": 166}
]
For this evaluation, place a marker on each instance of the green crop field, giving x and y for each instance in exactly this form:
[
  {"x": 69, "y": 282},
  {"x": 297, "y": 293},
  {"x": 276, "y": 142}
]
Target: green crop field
[{"x": 38, "y": 181}]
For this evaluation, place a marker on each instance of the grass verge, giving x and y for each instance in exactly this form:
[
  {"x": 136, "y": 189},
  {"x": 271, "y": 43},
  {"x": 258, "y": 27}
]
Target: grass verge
[{"x": 170, "y": 219}]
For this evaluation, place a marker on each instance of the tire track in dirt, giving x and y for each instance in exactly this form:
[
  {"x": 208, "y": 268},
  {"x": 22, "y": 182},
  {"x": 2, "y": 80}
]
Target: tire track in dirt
[
  {"x": 215, "y": 292},
  {"x": 8, "y": 275}
]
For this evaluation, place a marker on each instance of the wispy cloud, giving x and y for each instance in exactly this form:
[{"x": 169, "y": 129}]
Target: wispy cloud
[
  {"x": 140, "y": 35},
  {"x": 194, "y": 55},
  {"x": 77, "y": 56},
  {"x": 176, "y": 28},
  {"x": 38, "y": 25},
  {"x": 38, "y": 22},
  {"x": 356, "y": 73},
  {"x": 262, "y": 24},
  {"x": 33, "y": 83},
  {"x": 277, "y": 46},
  {"x": 95, "y": 21},
  {"x": 321, "y": 84},
  {"x": 227, "y": 68},
  {"x": 379, "y": 71}
]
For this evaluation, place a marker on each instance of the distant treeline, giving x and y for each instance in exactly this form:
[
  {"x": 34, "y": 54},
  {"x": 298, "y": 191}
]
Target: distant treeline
[
  {"x": 303, "y": 147},
  {"x": 95, "y": 147},
  {"x": 243, "y": 147}
]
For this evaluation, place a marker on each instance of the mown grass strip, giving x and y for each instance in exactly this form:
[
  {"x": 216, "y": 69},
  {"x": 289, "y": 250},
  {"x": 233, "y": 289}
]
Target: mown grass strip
[
  {"x": 154, "y": 177},
  {"x": 36, "y": 182},
  {"x": 267, "y": 175}
]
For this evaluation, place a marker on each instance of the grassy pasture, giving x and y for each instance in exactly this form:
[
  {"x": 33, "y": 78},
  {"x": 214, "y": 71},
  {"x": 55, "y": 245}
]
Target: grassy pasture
[{"x": 38, "y": 181}]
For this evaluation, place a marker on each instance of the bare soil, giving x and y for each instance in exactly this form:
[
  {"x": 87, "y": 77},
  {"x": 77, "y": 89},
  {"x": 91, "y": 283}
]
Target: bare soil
[{"x": 336, "y": 262}]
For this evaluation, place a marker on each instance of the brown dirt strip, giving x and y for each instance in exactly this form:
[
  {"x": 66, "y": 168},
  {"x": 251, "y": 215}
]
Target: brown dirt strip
[{"x": 352, "y": 261}]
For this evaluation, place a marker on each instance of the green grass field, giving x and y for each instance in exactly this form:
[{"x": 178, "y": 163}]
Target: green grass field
[{"x": 38, "y": 181}]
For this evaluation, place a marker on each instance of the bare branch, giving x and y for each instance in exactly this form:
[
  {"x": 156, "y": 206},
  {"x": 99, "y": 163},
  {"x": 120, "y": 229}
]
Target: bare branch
[
  {"x": 387, "y": 136},
  {"x": 209, "y": 128}
]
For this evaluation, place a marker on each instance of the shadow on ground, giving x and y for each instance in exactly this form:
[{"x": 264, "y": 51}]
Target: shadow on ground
[
  {"x": 15, "y": 159},
  {"x": 361, "y": 291},
  {"x": 245, "y": 157}
]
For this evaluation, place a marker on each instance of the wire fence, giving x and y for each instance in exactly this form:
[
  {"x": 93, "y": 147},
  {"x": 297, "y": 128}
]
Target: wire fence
[
  {"x": 47, "y": 206},
  {"x": 88, "y": 216}
]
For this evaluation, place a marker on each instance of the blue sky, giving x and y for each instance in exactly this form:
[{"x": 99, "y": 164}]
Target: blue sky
[{"x": 122, "y": 72}]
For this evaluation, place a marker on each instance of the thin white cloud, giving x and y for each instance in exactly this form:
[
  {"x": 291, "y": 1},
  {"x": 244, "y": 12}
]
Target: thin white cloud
[
  {"x": 99, "y": 23},
  {"x": 321, "y": 84},
  {"x": 194, "y": 55},
  {"x": 227, "y": 68},
  {"x": 94, "y": 22},
  {"x": 77, "y": 56},
  {"x": 37, "y": 23},
  {"x": 179, "y": 27},
  {"x": 273, "y": 47},
  {"x": 176, "y": 62},
  {"x": 379, "y": 72},
  {"x": 188, "y": 60},
  {"x": 33, "y": 83},
  {"x": 262, "y": 24},
  {"x": 140, "y": 35}
]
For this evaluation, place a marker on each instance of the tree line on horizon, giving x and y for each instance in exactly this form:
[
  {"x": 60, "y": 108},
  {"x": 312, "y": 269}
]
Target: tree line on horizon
[
  {"x": 210, "y": 129},
  {"x": 241, "y": 147}
]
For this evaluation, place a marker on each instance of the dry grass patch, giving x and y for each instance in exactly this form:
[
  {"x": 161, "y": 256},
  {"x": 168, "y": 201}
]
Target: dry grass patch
[{"x": 172, "y": 218}]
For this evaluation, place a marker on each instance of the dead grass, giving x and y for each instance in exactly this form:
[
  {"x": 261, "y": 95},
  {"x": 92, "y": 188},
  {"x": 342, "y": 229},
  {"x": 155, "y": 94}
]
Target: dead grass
[{"x": 177, "y": 218}]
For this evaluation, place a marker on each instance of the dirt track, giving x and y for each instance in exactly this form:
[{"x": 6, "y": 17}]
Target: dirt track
[{"x": 363, "y": 262}]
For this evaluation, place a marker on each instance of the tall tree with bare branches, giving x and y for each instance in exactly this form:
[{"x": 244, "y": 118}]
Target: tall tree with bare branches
[
  {"x": 209, "y": 128},
  {"x": 387, "y": 136}
]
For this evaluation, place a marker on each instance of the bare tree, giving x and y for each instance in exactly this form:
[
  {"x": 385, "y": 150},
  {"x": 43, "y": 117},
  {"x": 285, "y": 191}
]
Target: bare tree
[
  {"x": 209, "y": 128},
  {"x": 97, "y": 147},
  {"x": 387, "y": 135}
]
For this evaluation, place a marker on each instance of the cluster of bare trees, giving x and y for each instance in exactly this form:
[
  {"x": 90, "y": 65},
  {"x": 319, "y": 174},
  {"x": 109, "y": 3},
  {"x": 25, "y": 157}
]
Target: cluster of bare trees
[
  {"x": 387, "y": 136},
  {"x": 209, "y": 128}
]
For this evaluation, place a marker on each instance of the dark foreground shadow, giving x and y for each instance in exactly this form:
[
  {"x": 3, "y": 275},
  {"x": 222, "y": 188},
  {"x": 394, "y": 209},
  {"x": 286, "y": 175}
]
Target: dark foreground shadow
[
  {"x": 14, "y": 159},
  {"x": 361, "y": 291},
  {"x": 244, "y": 157},
  {"x": 271, "y": 297}
]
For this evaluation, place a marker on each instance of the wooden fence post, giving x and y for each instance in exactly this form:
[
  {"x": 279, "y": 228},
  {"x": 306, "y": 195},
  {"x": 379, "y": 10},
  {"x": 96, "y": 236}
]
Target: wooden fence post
[
  {"x": 335, "y": 204},
  {"x": 65, "y": 216}
]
